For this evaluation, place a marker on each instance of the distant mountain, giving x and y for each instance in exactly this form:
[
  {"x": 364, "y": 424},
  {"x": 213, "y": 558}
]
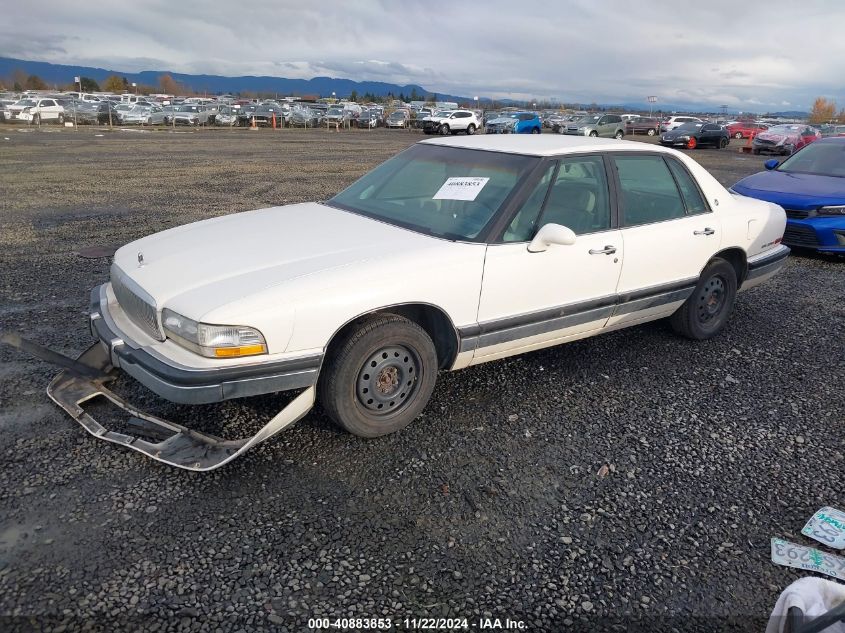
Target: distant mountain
[{"x": 60, "y": 74}]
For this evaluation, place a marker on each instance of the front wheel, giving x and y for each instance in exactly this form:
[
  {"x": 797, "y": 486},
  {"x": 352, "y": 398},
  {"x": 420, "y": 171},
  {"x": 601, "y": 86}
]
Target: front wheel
[
  {"x": 61, "y": 119},
  {"x": 706, "y": 311},
  {"x": 692, "y": 144},
  {"x": 36, "y": 119},
  {"x": 470, "y": 129},
  {"x": 378, "y": 377},
  {"x": 444, "y": 130},
  {"x": 594, "y": 134},
  {"x": 738, "y": 135}
]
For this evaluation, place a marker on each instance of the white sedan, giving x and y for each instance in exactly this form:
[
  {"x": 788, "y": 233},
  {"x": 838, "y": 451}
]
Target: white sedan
[{"x": 455, "y": 252}]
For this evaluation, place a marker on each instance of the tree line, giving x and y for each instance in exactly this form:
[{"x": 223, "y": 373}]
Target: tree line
[{"x": 824, "y": 111}]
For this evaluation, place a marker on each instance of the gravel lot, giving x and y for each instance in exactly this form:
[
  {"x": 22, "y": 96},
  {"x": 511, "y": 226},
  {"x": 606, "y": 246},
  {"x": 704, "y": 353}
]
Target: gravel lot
[{"x": 495, "y": 503}]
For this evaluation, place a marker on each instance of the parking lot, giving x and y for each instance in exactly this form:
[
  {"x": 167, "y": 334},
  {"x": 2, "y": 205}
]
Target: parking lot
[{"x": 631, "y": 475}]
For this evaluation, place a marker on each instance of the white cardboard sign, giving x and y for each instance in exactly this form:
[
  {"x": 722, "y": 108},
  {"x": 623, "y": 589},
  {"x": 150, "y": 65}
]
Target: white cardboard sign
[{"x": 466, "y": 188}]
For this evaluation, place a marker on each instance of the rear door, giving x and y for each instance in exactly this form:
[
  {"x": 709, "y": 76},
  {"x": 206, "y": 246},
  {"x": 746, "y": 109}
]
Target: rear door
[
  {"x": 532, "y": 300},
  {"x": 668, "y": 231}
]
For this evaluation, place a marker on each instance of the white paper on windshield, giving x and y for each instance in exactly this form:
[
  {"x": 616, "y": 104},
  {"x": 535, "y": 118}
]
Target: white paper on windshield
[{"x": 461, "y": 188}]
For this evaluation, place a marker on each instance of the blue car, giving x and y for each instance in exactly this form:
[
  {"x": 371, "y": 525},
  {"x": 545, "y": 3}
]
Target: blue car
[
  {"x": 810, "y": 186},
  {"x": 515, "y": 123}
]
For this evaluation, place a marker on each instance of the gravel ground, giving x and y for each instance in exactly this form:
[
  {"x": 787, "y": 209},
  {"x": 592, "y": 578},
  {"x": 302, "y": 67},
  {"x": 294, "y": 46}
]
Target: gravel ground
[{"x": 631, "y": 477}]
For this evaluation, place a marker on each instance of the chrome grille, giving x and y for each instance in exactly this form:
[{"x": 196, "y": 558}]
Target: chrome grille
[{"x": 140, "y": 312}]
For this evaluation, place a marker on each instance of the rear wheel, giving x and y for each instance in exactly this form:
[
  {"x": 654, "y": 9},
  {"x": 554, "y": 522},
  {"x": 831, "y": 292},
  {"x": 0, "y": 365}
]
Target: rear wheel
[
  {"x": 61, "y": 118},
  {"x": 755, "y": 151},
  {"x": 723, "y": 143},
  {"x": 378, "y": 377},
  {"x": 36, "y": 119},
  {"x": 705, "y": 313},
  {"x": 619, "y": 134},
  {"x": 470, "y": 129},
  {"x": 738, "y": 135},
  {"x": 692, "y": 144},
  {"x": 652, "y": 132},
  {"x": 535, "y": 130}
]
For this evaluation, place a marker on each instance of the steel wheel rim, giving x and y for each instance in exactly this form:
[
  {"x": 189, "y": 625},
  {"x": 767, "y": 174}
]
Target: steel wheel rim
[
  {"x": 388, "y": 380},
  {"x": 711, "y": 300}
]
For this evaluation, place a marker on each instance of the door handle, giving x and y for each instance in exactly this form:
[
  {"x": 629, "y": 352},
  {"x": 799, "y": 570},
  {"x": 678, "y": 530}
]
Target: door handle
[
  {"x": 707, "y": 231},
  {"x": 607, "y": 250}
]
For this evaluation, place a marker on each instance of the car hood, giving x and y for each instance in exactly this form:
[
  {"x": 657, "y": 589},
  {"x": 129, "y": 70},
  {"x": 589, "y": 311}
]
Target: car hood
[
  {"x": 773, "y": 136},
  {"x": 793, "y": 191},
  {"x": 198, "y": 267}
]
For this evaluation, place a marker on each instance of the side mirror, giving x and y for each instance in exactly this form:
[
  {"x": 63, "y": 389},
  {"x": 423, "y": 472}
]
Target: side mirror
[
  {"x": 771, "y": 164},
  {"x": 551, "y": 234}
]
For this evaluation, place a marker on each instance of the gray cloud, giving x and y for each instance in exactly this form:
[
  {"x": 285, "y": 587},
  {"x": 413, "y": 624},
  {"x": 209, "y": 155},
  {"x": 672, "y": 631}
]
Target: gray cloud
[{"x": 719, "y": 52}]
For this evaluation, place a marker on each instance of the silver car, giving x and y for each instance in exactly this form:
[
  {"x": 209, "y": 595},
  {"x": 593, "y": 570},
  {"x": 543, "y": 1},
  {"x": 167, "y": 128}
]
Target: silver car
[{"x": 606, "y": 125}]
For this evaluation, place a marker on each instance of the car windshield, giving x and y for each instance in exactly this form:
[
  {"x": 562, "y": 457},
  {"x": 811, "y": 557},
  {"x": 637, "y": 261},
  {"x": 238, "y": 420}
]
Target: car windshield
[
  {"x": 689, "y": 127},
  {"x": 448, "y": 192},
  {"x": 26, "y": 102},
  {"x": 334, "y": 112},
  {"x": 589, "y": 119},
  {"x": 397, "y": 115},
  {"x": 821, "y": 158}
]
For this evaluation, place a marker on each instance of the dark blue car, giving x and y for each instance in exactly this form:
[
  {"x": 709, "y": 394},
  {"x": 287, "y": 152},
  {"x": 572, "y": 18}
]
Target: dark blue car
[{"x": 810, "y": 186}]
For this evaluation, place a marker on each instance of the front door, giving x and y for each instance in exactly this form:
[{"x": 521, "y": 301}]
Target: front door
[{"x": 533, "y": 300}]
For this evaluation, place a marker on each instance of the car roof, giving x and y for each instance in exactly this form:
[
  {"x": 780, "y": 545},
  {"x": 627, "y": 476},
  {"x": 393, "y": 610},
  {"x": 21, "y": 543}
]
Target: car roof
[{"x": 544, "y": 145}]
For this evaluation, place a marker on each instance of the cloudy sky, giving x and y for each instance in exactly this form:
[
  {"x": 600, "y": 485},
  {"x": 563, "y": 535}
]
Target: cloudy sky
[{"x": 748, "y": 54}]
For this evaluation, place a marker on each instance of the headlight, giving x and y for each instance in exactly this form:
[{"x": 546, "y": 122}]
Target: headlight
[
  {"x": 832, "y": 210},
  {"x": 214, "y": 341}
]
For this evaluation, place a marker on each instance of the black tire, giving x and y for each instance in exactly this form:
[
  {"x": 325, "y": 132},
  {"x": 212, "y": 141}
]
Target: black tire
[
  {"x": 723, "y": 143},
  {"x": 444, "y": 130},
  {"x": 470, "y": 129},
  {"x": 594, "y": 134},
  {"x": 403, "y": 355},
  {"x": 535, "y": 130},
  {"x": 61, "y": 119},
  {"x": 36, "y": 119},
  {"x": 705, "y": 313},
  {"x": 738, "y": 135},
  {"x": 619, "y": 134}
]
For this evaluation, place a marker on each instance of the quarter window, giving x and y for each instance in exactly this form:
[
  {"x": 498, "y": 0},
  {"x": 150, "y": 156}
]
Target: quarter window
[
  {"x": 649, "y": 193},
  {"x": 693, "y": 200}
]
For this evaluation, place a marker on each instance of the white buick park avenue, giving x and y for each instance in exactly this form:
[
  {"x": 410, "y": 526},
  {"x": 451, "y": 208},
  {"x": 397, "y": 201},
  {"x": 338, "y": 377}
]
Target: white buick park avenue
[{"x": 455, "y": 252}]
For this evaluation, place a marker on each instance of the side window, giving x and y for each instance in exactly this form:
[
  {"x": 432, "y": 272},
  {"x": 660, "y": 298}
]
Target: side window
[
  {"x": 578, "y": 198},
  {"x": 523, "y": 226},
  {"x": 691, "y": 194},
  {"x": 649, "y": 193}
]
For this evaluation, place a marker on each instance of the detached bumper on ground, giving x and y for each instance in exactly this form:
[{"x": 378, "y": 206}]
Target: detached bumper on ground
[{"x": 83, "y": 380}]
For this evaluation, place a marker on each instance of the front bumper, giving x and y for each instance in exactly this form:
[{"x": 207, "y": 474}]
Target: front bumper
[
  {"x": 193, "y": 385},
  {"x": 825, "y": 234},
  {"x": 673, "y": 142}
]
